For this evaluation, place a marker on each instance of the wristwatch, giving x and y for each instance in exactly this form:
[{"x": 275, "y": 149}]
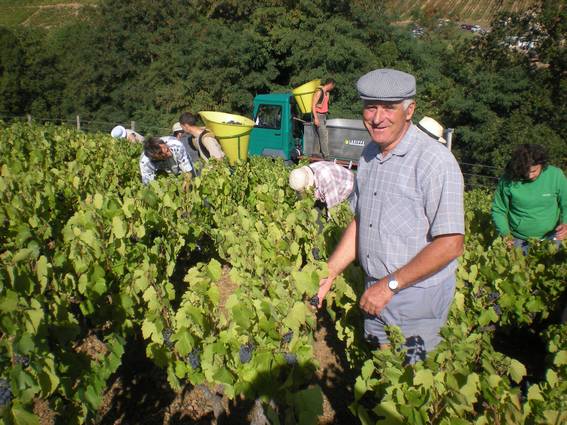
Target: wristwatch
[{"x": 393, "y": 284}]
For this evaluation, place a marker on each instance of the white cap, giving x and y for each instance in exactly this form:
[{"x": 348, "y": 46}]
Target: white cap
[
  {"x": 119, "y": 132},
  {"x": 176, "y": 127},
  {"x": 432, "y": 128},
  {"x": 301, "y": 178}
]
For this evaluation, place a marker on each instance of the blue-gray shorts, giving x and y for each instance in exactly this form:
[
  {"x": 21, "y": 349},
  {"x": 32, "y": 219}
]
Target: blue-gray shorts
[{"x": 417, "y": 311}]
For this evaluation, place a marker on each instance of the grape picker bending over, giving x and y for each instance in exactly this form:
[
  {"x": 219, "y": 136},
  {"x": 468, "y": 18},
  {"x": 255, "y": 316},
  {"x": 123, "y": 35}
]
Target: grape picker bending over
[
  {"x": 165, "y": 155},
  {"x": 120, "y": 132},
  {"x": 408, "y": 228},
  {"x": 531, "y": 199},
  {"x": 333, "y": 183}
]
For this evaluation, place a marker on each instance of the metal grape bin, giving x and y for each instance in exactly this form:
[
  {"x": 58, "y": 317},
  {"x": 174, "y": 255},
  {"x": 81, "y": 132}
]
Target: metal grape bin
[{"x": 347, "y": 139}]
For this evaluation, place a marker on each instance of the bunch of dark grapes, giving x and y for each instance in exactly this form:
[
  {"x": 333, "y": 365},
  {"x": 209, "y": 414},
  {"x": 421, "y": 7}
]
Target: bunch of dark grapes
[
  {"x": 245, "y": 352},
  {"x": 5, "y": 393},
  {"x": 23, "y": 360},
  {"x": 194, "y": 358},
  {"x": 290, "y": 358},
  {"x": 493, "y": 296},
  {"x": 314, "y": 301},
  {"x": 286, "y": 339},
  {"x": 166, "y": 333},
  {"x": 315, "y": 252}
]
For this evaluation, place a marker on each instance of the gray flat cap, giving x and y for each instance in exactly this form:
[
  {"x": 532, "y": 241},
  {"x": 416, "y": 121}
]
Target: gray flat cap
[{"x": 386, "y": 84}]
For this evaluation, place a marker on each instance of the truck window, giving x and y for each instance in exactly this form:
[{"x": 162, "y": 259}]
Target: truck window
[{"x": 269, "y": 116}]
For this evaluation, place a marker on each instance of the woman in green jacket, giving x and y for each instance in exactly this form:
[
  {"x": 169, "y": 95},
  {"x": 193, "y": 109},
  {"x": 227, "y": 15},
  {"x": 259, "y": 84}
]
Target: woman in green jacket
[{"x": 531, "y": 199}]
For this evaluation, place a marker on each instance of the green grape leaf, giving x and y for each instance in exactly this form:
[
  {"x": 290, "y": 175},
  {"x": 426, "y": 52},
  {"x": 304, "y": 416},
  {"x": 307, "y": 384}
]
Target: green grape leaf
[
  {"x": 494, "y": 380},
  {"x": 423, "y": 377},
  {"x": 551, "y": 377},
  {"x": 309, "y": 404},
  {"x": 118, "y": 228},
  {"x": 296, "y": 316},
  {"x": 304, "y": 282},
  {"x": 214, "y": 269},
  {"x": 23, "y": 417},
  {"x": 388, "y": 410},
  {"x": 224, "y": 376},
  {"x": 9, "y": 302},
  {"x": 560, "y": 358},
  {"x": 516, "y": 370},
  {"x": 360, "y": 388},
  {"x": 534, "y": 393},
  {"x": 367, "y": 369},
  {"x": 149, "y": 331},
  {"x": 98, "y": 201},
  {"x": 470, "y": 389}
]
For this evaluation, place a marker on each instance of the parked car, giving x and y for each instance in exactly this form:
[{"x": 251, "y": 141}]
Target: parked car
[{"x": 418, "y": 31}]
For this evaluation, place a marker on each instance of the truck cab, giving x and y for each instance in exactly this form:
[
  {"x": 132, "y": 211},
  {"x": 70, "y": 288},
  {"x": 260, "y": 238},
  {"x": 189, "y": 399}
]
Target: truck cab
[{"x": 275, "y": 131}]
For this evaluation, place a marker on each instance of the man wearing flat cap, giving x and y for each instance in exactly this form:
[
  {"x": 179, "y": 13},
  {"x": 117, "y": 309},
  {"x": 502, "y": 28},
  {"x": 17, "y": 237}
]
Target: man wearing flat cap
[{"x": 408, "y": 229}]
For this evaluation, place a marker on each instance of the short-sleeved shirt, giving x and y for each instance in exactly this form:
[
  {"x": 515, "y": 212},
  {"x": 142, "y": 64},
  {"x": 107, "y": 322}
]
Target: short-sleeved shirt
[
  {"x": 403, "y": 200},
  {"x": 333, "y": 183},
  {"x": 177, "y": 163}
]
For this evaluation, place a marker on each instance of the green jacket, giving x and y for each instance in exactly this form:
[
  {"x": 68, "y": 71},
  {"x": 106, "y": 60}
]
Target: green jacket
[{"x": 531, "y": 209}]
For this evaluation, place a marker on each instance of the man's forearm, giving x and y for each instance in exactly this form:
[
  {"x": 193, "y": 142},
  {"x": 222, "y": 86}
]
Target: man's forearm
[
  {"x": 345, "y": 252},
  {"x": 431, "y": 259}
]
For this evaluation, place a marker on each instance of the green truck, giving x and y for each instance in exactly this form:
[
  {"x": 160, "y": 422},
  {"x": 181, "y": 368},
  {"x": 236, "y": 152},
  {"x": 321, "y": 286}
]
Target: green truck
[{"x": 279, "y": 131}]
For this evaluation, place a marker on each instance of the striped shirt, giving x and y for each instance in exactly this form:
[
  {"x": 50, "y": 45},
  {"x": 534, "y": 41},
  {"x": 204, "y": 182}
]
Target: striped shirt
[
  {"x": 333, "y": 183},
  {"x": 177, "y": 163},
  {"x": 403, "y": 200}
]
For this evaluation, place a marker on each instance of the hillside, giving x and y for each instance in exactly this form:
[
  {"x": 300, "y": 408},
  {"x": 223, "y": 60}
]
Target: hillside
[
  {"x": 40, "y": 13},
  {"x": 52, "y": 13},
  {"x": 475, "y": 11}
]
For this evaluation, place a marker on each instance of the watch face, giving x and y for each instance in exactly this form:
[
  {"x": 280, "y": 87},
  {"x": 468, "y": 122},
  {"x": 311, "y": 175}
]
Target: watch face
[{"x": 393, "y": 285}]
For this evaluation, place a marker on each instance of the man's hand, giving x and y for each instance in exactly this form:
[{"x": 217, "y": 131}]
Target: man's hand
[
  {"x": 376, "y": 297},
  {"x": 509, "y": 241},
  {"x": 324, "y": 287},
  {"x": 316, "y": 121},
  {"x": 561, "y": 232}
]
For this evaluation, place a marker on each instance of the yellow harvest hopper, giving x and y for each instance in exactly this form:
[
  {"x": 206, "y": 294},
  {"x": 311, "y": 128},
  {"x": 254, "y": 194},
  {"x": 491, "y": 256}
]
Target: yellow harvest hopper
[
  {"x": 304, "y": 95},
  {"x": 232, "y": 132}
]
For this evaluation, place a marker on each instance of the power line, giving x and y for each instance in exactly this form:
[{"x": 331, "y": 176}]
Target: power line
[
  {"x": 481, "y": 175},
  {"x": 480, "y": 165}
]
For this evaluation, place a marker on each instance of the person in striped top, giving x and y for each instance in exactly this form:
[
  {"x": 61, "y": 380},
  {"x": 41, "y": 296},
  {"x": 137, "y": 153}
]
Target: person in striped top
[
  {"x": 331, "y": 182},
  {"x": 159, "y": 155}
]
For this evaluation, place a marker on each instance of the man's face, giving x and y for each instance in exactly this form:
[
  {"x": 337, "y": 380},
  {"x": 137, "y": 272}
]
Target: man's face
[
  {"x": 164, "y": 153},
  {"x": 386, "y": 122}
]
